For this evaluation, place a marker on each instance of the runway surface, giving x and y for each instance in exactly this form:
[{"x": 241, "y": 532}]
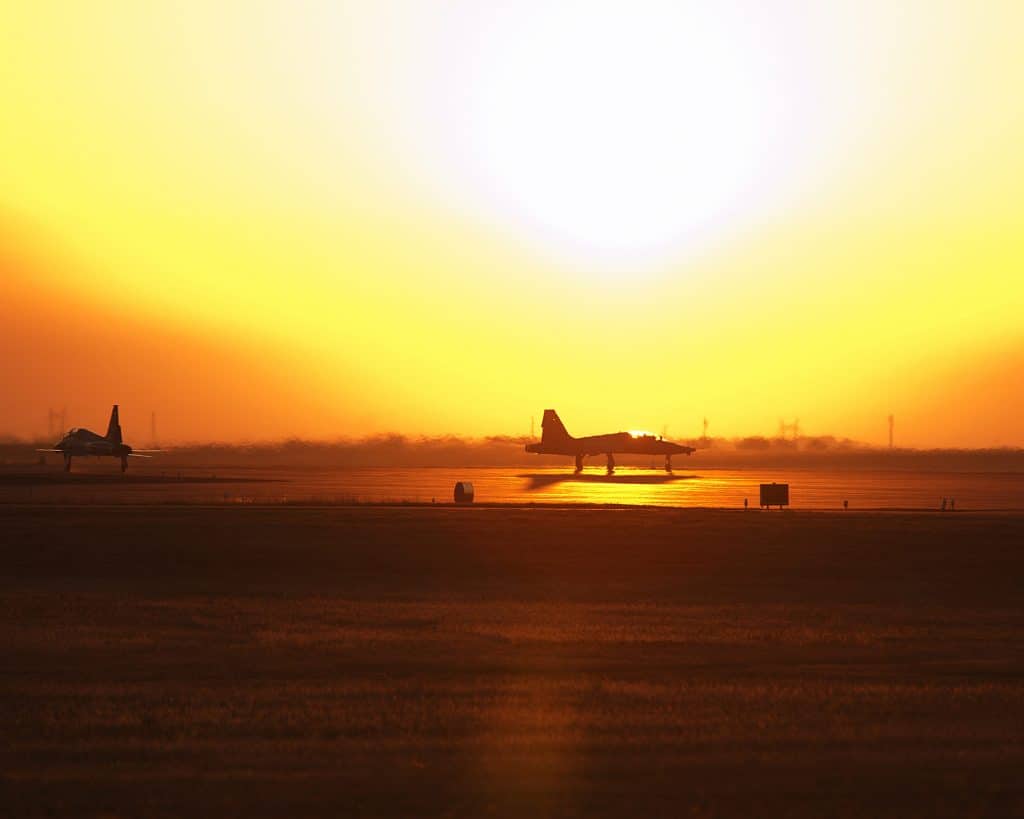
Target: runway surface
[{"x": 101, "y": 482}]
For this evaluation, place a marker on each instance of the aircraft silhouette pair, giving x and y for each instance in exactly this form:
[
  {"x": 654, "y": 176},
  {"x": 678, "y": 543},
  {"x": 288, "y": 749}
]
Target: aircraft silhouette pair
[
  {"x": 86, "y": 442},
  {"x": 556, "y": 440}
]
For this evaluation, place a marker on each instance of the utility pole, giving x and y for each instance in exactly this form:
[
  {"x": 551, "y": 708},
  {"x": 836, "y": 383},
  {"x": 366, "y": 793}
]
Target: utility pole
[{"x": 52, "y": 417}]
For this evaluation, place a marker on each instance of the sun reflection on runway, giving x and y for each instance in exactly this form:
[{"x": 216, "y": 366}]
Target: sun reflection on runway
[
  {"x": 540, "y": 480},
  {"x": 625, "y": 486}
]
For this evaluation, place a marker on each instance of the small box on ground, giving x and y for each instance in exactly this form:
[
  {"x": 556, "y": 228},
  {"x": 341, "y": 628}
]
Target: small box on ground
[
  {"x": 464, "y": 492},
  {"x": 775, "y": 494}
]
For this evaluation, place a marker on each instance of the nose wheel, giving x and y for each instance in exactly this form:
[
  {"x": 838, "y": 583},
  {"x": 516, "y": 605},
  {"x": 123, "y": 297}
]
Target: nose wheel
[
  {"x": 579, "y": 464},
  {"x": 124, "y": 463},
  {"x": 668, "y": 464},
  {"x": 611, "y": 464},
  {"x": 67, "y": 463}
]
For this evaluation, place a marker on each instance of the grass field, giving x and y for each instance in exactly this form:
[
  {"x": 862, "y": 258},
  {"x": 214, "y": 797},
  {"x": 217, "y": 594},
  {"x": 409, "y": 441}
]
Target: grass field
[{"x": 174, "y": 661}]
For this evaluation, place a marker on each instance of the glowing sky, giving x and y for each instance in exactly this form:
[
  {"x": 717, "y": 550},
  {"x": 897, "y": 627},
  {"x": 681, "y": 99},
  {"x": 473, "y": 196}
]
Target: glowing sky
[{"x": 341, "y": 218}]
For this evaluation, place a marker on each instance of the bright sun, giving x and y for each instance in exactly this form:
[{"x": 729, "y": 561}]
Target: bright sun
[{"x": 616, "y": 134}]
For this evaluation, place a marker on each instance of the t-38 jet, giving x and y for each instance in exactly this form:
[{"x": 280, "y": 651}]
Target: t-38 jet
[
  {"x": 556, "y": 440},
  {"x": 86, "y": 442}
]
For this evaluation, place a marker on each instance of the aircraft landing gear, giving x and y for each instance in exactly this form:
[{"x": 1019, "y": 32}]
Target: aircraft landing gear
[
  {"x": 579, "y": 464},
  {"x": 611, "y": 464},
  {"x": 668, "y": 464},
  {"x": 67, "y": 463},
  {"x": 124, "y": 463}
]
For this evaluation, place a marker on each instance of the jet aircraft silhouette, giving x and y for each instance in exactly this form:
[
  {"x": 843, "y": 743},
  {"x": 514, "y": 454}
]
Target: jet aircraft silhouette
[
  {"x": 556, "y": 440},
  {"x": 87, "y": 442}
]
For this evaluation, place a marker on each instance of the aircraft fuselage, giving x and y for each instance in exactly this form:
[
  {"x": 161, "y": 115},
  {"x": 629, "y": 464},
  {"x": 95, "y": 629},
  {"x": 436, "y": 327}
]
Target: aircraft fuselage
[
  {"x": 87, "y": 442},
  {"x": 614, "y": 442}
]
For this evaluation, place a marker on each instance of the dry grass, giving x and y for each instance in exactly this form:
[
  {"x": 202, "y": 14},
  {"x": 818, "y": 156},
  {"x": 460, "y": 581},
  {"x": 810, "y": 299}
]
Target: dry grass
[{"x": 411, "y": 662}]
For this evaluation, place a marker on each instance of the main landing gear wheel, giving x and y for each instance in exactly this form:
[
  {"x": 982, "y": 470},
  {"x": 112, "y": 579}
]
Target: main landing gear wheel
[
  {"x": 611, "y": 464},
  {"x": 579, "y": 464},
  {"x": 67, "y": 463},
  {"x": 668, "y": 464}
]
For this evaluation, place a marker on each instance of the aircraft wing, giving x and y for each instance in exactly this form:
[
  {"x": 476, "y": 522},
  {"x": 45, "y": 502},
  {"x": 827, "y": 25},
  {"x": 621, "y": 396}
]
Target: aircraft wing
[
  {"x": 49, "y": 450},
  {"x": 137, "y": 455},
  {"x": 147, "y": 450}
]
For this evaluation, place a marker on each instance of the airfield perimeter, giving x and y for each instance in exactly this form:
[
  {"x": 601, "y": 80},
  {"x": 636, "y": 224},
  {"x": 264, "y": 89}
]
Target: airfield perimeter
[{"x": 287, "y": 660}]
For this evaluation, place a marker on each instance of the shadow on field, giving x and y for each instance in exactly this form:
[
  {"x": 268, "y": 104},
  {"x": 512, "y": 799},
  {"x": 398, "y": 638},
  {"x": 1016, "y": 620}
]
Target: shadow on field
[{"x": 541, "y": 480}]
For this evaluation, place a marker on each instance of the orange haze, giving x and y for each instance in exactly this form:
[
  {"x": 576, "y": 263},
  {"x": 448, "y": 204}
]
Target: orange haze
[{"x": 262, "y": 220}]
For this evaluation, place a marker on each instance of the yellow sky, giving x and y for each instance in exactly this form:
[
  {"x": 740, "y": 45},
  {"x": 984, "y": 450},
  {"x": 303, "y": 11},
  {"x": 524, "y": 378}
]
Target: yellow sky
[{"x": 267, "y": 219}]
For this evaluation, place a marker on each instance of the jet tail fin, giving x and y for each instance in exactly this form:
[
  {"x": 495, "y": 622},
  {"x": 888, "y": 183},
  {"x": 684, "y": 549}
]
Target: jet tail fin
[
  {"x": 552, "y": 428},
  {"x": 114, "y": 427}
]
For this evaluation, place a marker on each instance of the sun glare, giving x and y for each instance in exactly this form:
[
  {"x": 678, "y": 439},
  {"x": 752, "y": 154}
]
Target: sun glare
[{"x": 617, "y": 135}]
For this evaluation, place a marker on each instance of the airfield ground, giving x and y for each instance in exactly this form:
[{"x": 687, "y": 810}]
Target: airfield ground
[{"x": 364, "y": 661}]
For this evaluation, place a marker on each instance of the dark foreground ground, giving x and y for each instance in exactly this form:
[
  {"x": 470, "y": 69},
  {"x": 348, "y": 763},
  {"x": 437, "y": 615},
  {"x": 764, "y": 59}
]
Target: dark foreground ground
[{"x": 247, "y": 661}]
